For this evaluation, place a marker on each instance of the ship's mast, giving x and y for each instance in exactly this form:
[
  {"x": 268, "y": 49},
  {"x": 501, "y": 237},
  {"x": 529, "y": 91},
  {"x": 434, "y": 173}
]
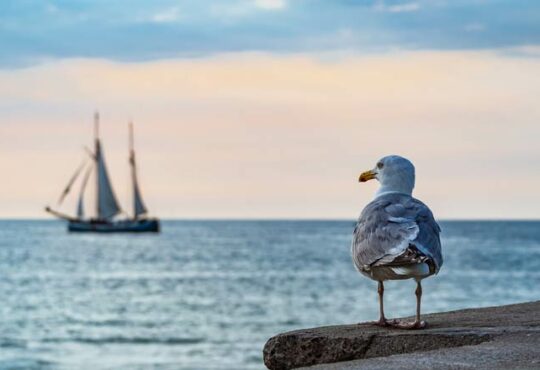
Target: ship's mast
[
  {"x": 131, "y": 145},
  {"x": 106, "y": 203},
  {"x": 96, "y": 125},
  {"x": 139, "y": 207},
  {"x": 96, "y": 154}
]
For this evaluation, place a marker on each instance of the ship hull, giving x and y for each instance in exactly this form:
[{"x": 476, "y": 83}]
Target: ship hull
[{"x": 122, "y": 226}]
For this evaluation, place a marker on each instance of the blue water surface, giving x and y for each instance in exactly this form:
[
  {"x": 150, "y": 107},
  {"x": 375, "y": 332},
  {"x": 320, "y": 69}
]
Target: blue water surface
[{"x": 208, "y": 294}]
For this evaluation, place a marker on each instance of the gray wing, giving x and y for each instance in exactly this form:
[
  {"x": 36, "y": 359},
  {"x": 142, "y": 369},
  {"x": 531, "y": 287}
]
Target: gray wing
[{"x": 395, "y": 230}]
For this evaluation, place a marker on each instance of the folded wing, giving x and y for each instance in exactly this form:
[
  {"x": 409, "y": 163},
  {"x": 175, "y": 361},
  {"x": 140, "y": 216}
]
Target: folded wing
[{"x": 396, "y": 230}]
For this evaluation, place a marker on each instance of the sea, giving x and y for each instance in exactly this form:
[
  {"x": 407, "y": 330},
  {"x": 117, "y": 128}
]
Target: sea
[{"x": 209, "y": 294}]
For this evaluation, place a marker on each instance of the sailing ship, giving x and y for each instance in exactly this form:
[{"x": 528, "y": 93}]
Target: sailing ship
[{"x": 108, "y": 214}]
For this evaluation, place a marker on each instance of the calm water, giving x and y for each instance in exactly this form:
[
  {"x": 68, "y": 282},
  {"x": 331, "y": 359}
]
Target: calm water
[{"x": 207, "y": 295}]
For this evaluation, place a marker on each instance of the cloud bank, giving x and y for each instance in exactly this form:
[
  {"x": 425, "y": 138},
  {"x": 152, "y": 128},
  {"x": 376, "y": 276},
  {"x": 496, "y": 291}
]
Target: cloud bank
[
  {"x": 258, "y": 136},
  {"x": 33, "y": 31}
]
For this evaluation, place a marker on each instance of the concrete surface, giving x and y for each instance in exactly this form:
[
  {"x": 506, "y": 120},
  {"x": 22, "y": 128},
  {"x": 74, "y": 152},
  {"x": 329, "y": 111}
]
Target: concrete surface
[{"x": 504, "y": 337}]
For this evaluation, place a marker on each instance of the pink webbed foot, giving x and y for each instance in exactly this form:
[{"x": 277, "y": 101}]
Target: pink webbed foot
[
  {"x": 415, "y": 325},
  {"x": 382, "y": 322}
]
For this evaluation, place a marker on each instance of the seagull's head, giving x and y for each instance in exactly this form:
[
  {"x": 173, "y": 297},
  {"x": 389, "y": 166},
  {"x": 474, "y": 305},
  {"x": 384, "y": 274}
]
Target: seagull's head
[{"x": 395, "y": 173}]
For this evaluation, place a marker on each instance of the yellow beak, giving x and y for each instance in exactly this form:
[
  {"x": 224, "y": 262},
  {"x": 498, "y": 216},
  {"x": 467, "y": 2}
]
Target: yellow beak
[{"x": 368, "y": 175}]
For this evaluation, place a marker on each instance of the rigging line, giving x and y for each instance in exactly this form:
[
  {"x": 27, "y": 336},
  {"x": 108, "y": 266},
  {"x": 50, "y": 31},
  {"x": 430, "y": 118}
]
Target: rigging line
[
  {"x": 90, "y": 153},
  {"x": 70, "y": 183},
  {"x": 85, "y": 180}
]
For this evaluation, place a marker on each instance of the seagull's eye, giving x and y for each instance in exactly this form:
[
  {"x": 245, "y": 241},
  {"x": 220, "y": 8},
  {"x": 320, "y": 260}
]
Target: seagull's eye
[{"x": 380, "y": 165}]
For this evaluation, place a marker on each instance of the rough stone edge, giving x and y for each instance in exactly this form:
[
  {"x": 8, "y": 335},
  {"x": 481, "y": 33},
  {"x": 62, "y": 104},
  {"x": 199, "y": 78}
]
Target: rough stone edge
[
  {"x": 318, "y": 349},
  {"x": 280, "y": 349}
]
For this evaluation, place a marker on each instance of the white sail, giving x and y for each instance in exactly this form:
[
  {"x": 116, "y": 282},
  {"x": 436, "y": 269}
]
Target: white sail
[
  {"x": 107, "y": 205},
  {"x": 80, "y": 203},
  {"x": 105, "y": 200},
  {"x": 138, "y": 205}
]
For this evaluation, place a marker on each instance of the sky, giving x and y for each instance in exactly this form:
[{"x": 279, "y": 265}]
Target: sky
[{"x": 272, "y": 108}]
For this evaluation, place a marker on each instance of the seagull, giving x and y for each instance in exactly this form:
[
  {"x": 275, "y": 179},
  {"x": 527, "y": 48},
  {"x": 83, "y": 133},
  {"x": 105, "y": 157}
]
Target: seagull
[{"x": 396, "y": 236}]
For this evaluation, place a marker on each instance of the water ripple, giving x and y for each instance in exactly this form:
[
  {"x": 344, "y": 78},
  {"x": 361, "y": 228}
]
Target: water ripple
[{"x": 208, "y": 294}]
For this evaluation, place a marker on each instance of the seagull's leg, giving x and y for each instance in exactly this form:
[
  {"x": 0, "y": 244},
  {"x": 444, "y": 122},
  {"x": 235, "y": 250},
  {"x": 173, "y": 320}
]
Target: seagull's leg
[
  {"x": 418, "y": 293},
  {"x": 417, "y": 324},
  {"x": 382, "y": 320}
]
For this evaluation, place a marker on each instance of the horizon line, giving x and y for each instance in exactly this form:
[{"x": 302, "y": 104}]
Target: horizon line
[{"x": 292, "y": 219}]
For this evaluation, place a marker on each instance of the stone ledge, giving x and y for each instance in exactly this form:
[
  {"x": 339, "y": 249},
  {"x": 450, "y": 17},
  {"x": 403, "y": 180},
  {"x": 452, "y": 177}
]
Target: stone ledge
[{"x": 334, "y": 344}]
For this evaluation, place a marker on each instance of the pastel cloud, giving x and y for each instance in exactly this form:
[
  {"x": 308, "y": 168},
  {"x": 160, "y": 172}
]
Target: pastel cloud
[
  {"x": 166, "y": 15},
  {"x": 259, "y": 135},
  {"x": 271, "y": 4},
  {"x": 397, "y": 8}
]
